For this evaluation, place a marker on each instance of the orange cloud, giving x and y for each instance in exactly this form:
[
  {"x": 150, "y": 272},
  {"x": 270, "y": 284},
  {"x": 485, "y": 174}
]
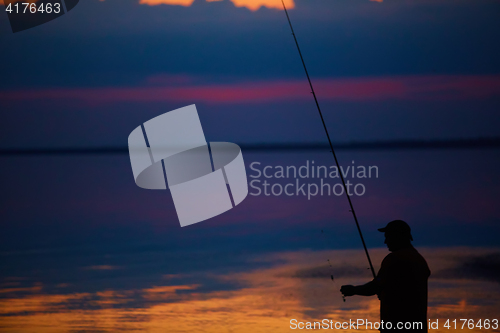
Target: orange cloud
[
  {"x": 36, "y": 288},
  {"x": 253, "y": 5},
  {"x": 101, "y": 268},
  {"x": 269, "y": 298},
  {"x": 185, "y": 3},
  {"x": 256, "y": 4}
]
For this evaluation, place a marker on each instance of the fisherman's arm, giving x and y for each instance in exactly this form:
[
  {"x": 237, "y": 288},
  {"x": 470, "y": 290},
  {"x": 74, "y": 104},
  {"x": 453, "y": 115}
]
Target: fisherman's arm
[{"x": 369, "y": 289}]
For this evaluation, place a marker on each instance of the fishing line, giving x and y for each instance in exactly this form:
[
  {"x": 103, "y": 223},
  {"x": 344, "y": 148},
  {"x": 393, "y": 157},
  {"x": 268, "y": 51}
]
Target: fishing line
[
  {"x": 332, "y": 275},
  {"x": 330, "y": 142}
]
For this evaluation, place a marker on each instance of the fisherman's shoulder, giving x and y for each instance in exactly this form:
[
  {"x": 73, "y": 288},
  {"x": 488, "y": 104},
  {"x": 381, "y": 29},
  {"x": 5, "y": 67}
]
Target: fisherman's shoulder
[
  {"x": 420, "y": 260},
  {"x": 390, "y": 259},
  {"x": 402, "y": 255},
  {"x": 415, "y": 254},
  {"x": 410, "y": 256}
]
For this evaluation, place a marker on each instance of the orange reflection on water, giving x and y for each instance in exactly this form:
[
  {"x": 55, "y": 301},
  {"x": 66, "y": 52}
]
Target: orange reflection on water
[{"x": 296, "y": 285}]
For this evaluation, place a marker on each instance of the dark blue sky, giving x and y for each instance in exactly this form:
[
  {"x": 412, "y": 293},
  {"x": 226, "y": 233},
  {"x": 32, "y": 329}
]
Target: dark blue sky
[{"x": 121, "y": 44}]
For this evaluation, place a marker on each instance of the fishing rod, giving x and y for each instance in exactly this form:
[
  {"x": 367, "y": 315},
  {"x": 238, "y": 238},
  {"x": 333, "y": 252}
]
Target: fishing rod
[{"x": 330, "y": 142}]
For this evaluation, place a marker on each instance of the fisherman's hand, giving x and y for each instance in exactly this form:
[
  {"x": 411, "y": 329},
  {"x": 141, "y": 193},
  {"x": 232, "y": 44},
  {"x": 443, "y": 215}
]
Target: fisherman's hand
[{"x": 348, "y": 290}]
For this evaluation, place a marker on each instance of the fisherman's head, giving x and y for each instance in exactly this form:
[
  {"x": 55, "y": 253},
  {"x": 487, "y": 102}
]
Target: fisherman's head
[{"x": 397, "y": 235}]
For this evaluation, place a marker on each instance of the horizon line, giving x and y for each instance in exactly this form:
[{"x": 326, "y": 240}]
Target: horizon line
[{"x": 407, "y": 144}]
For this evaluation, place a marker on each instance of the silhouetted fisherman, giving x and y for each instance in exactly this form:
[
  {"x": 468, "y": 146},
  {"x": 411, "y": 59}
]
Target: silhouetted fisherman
[{"x": 401, "y": 283}]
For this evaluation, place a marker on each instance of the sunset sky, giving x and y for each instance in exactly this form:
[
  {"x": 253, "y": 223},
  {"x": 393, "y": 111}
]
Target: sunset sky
[{"x": 83, "y": 249}]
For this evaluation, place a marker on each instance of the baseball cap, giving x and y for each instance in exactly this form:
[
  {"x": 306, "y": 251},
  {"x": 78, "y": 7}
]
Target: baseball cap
[{"x": 397, "y": 226}]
